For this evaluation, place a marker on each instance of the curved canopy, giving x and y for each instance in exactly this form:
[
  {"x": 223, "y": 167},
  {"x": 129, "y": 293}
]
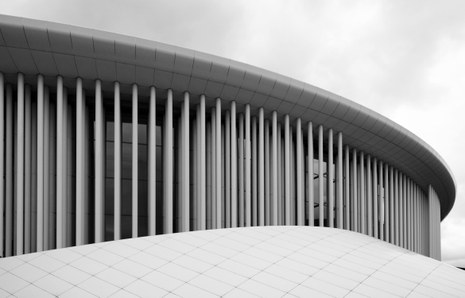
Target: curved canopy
[{"x": 241, "y": 262}]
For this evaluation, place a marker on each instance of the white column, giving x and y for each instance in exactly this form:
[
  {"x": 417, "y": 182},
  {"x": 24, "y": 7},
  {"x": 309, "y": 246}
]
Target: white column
[
  {"x": 168, "y": 165},
  {"x": 185, "y": 184},
  {"x": 386, "y": 203},
  {"x": 381, "y": 201},
  {"x": 267, "y": 175},
  {"x": 330, "y": 171},
  {"x": 219, "y": 205},
  {"x": 99, "y": 164},
  {"x": 354, "y": 204},
  {"x": 300, "y": 181},
  {"x": 287, "y": 169},
  {"x": 375, "y": 198},
  {"x": 60, "y": 169},
  {"x": 321, "y": 200},
  {"x": 9, "y": 173},
  {"x": 2, "y": 164},
  {"x": 369, "y": 198},
  {"x": 340, "y": 184},
  {"x": 280, "y": 177},
  {"x": 117, "y": 163},
  {"x": 347, "y": 213},
  {"x": 135, "y": 161},
  {"x": 69, "y": 172},
  {"x": 87, "y": 169},
  {"x": 241, "y": 171},
  {"x": 202, "y": 162},
  {"x": 80, "y": 162},
  {"x": 248, "y": 180},
  {"x": 152, "y": 159},
  {"x": 274, "y": 169},
  {"x": 254, "y": 171},
  {"x": 40, "y": 164},
  {"x": 233, "y": 166},
  {"x": 362, "y": 215},
  {"x": 46, "y": 168},
  {"x": 28, "y": 182},
  {"x": 261, "y": 167},
  {"x": 401, "y": 210},
  {"x": 311, "y": 191},
  {"x": 227, "y": 170},
  {"x": 396, "y": 207},
  {"x": 19, "y": 191},
  {"x": 213, "y": 168}
]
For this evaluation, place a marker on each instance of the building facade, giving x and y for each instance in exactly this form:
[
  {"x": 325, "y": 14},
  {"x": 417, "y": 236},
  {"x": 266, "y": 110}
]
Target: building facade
[{"x": 107, "y": 137}]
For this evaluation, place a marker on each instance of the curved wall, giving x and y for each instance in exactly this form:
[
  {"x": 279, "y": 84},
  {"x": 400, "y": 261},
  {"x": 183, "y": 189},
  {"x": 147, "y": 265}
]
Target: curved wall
[{"x": 116, "y": 137}]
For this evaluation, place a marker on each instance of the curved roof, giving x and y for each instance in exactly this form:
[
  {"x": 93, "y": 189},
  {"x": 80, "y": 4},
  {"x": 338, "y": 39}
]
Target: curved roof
[
  {"x": 32, "y": 47},
  {"x": 241, "y": 262}
]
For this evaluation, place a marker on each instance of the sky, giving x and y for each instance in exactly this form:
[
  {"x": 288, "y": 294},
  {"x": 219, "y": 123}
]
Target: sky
[{"x": 403, "y": 59}]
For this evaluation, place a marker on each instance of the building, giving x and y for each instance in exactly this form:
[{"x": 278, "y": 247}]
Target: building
[{"x": 108, "y": 137}]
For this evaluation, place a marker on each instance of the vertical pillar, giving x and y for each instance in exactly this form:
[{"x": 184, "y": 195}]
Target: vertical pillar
[
  {"x": 354, "y": 204},
  {"x": 299, "y": 164},
  {"x": 287, "y": 169},
  {"x": 381, "y": 201},
  {"x": 213, "y": 169},
  {"x": 61, "y": 178},
  {"x": 320, "y": 177},
  {"x": 267, "y": 175},
  {"x": 391, "y": 205},
  {"x": 233, "y": 166},
  {"x": 248, "y": 177},
  {"x": 274, "y": 169},
  {"x": 29, "y": 185},
  {"x": 261, "y": 167},
  {"x": 202, "y": 162},
  {"x": 19, "y": 191},
  {"x": 375, "y": 198},
  {"x": 99, "y": 164},
  {"x": 340, "y": 184},
  {"x": 219, "y": 205},
  {"x": 168, "y": 165},
  {"x": 369, "y": 198},
  {"x": 185, "y": 165},
  {"x": 311, "y": 191},
  {"x": 401, "y": 209},
  {"x": 280, "y": 177},
  {"x": 362, "y": 215},
  {"x": 227, "y": 170},
  {"x": 80, "y": 162},
  {"x": 40, "y": 164},
  {"x": 396, "y": 207},
  {"x": 347, "y": 190},
  {"x": 152, "y": 159},
  {"x": 254, "y": 171},
  {"x": 386, "y": 203},
  {"x": 9, "y": 173},
  {"x": 330, "y": 171},
  {"x": 2, "y": 164},
  {"x": 69, "y": 175},
  {"x": 117, "y": 163},
  {"x": 46, "y": 168},
  {"x": 241, "y": 171}
]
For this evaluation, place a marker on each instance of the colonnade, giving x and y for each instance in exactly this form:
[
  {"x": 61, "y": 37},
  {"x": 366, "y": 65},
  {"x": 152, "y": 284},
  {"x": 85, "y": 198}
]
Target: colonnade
[{"x": 222, "y": 165}]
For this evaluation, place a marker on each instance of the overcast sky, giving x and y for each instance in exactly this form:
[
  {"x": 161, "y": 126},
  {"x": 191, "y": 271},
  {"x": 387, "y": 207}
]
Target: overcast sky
[{"x": 403, "y": 59}]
